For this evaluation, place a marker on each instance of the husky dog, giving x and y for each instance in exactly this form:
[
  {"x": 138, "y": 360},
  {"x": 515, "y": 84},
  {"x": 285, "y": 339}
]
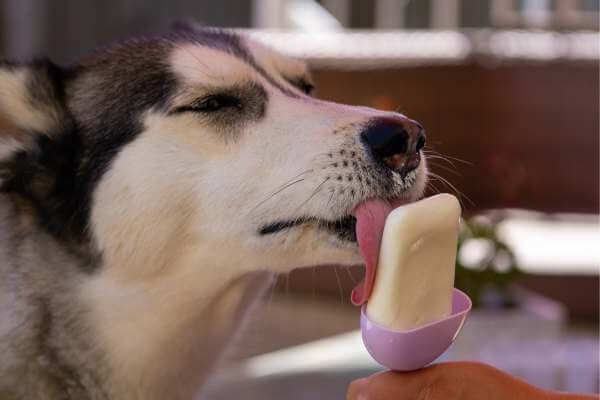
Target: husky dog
[{"x": 148, "y": 194}]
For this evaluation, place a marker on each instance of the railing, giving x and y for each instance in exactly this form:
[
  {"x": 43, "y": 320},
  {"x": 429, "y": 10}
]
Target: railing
[
  {"x": 431, "y": 14},
  {"x": 356, "y": 50}
]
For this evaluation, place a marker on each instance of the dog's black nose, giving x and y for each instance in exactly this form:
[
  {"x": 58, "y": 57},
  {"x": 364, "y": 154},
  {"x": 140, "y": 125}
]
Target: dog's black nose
[{"x": 395, "y": 141}]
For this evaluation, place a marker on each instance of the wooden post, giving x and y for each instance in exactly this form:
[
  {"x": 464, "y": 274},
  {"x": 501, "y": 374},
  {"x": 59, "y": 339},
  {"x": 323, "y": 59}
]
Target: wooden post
[
  {"x": 389, "y": 14},
  {"x": 445, "y": 14}
]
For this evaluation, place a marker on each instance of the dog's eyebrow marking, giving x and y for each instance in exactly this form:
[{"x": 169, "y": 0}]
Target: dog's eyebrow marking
[
  {"x": 251, "y": 60},
  {"x": 230, "y": 43},
  {"x": 286, "y": 91}
]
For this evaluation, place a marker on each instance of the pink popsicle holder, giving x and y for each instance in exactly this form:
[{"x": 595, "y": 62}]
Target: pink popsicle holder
[{"x": 415, "y": 348}]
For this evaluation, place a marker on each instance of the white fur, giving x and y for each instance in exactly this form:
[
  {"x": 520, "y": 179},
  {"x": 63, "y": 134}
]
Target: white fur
[{"x": 207, "y": 67}]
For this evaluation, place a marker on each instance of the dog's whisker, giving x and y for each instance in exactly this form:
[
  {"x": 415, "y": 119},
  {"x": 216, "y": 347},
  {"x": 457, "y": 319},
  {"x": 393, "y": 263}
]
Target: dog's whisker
[
  {"x": 435, "y": 156},
  {"x": 435, "y": 188},
  {"x": 270, "y": 296},
  {"x": 330, "y": 198},
  {"x": 281, "y": 188},
  {"x": 339, "y": 282},
  {"x": 436, "y": 177},
  {"x": 460, "y": 160},
  {"x": 447, "y": 157},
  {"x": 449, "y": 184},
  {"x": 313, "y": 194},
  {"x": 286, "y": 186},
  {"x": 350, "y": 275},
  {"x": 445, "y": 168}
]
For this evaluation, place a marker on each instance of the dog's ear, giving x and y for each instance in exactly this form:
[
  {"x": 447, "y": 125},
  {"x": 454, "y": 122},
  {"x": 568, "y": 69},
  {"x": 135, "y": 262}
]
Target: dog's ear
[
  {"x": 32, "y": 111},
  {"x": 31, "y": 105}
]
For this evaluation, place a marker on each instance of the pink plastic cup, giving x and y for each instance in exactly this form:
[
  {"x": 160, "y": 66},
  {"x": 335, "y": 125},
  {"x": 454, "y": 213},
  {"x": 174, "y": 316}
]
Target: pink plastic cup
[{"x": 414, "y": 349}]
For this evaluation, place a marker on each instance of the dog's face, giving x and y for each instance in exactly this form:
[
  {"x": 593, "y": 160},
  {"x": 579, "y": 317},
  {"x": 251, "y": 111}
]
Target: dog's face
[{"x": 201, "y": 146}]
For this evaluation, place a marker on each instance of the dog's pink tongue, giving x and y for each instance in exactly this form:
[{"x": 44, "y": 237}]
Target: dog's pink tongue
[{"x": 370, "y": 220}]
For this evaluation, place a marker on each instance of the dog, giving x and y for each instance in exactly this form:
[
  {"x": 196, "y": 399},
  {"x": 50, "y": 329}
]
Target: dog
[{"x": 150, "y": 192}]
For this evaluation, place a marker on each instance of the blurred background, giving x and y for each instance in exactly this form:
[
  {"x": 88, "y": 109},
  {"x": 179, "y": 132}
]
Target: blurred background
[{"x": 508, "y": 93}]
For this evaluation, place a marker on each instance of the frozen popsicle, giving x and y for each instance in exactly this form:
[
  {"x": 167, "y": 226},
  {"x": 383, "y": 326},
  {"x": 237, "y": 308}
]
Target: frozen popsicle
[
  {"x": 415, "y": 268},
  {"x": 410, "y": 313}
]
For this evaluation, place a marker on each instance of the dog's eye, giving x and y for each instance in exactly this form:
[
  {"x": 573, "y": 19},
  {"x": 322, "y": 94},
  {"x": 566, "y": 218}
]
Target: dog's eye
[
  {"x": 212, "y": 103},
  {"x": 306, "y": 86},
  {"x": 302, "y": 84},
  {"x": 216, "y": 103}
]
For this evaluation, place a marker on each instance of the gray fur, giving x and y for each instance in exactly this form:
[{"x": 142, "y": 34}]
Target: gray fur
[
  {"x": 46, "y": 347},
  {"x": 48, "y": 351}
]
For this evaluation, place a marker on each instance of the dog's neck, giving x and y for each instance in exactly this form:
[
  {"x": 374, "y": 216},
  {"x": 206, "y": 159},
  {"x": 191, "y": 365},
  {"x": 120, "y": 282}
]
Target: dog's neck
[
  {"x": 110, "y": 335},
  {"x": 164, "y": 337}
]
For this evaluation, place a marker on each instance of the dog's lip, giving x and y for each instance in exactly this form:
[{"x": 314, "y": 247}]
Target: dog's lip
[{"x": 344, "y": 227}]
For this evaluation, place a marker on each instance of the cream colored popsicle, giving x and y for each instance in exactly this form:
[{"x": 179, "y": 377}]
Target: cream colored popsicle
[{"x": 415, "y": 271}]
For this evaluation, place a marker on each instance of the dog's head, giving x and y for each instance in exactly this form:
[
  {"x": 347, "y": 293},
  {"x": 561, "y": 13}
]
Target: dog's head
[{"x": 200, "y": 147}]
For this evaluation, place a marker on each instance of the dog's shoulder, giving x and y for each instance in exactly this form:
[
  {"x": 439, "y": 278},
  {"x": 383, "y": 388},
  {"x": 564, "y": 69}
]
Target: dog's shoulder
[{"x": 46, "y": 351}]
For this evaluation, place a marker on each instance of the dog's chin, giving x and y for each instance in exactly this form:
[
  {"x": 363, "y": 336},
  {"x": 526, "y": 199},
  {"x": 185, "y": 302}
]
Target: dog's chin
[{"x": 333, "y": 246}]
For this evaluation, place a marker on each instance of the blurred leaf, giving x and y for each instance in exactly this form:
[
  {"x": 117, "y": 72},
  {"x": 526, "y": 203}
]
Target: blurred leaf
[{"x": 484, "y": 282}]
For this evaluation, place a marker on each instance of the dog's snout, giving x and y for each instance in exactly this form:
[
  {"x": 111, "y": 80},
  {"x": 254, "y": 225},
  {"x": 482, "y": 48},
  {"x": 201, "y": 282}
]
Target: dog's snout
[{"x": 396, "y": 142}]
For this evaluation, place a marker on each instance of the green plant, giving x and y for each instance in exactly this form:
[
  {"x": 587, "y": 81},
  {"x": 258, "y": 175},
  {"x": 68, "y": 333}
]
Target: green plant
[{"x": 485, "y": 265}]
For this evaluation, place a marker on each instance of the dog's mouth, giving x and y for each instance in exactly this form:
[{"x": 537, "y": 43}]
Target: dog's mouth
[
  {"x": 343, "y": 228},
  {"x": 364, "y": 227}
]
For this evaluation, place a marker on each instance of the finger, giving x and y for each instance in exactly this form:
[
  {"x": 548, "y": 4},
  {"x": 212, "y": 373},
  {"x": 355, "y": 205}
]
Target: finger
[
  {"x": 389, "y": 385},
  {"x": 357, "y": 389}
]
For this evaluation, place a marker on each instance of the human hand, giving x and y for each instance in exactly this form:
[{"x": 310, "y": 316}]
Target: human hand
[{"x": 451, "y": 381}]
